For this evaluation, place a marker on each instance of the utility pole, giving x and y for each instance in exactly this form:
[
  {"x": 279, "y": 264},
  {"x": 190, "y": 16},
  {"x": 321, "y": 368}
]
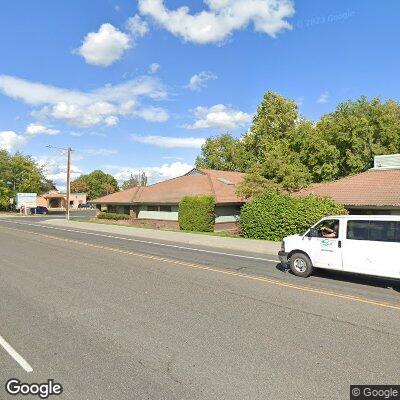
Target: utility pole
[
  {"x": 69, "y": 151},
  {"x": 68, "y": 179}
]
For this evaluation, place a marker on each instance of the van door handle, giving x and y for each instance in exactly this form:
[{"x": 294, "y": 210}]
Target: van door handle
[{"x": 339, "y": 244}]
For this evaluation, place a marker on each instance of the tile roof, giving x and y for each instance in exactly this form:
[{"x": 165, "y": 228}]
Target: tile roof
[
  {"x": 376, "y": 187},
  {"x": 220, "y": 184}
]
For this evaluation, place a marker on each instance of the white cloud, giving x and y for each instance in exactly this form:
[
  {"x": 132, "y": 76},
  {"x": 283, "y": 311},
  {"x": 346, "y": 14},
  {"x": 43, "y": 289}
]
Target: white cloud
[
  {"x": 220, "y": 117},
  {"x": 104, "y": 47},
  {"x": 136, "y": 26},
  {"x": 198, "y": 81},
  {"x": 76, "y": 134},
  {"x": 37, "y": 129},
  {"x": 222, "y": 18},
  {"x": 55, "y": 169},
  {"x": 102, "y": 106},
  {"x": 100, "y": 152},
  {"x": 153, "y": 68},
  {"x": 10, "y": 141},
  {"x": 155, "y": 174},
  {"x": 170, "y": 142},
  {"x": 152, "y": 114},
  {"x": 323, "y": 97}
]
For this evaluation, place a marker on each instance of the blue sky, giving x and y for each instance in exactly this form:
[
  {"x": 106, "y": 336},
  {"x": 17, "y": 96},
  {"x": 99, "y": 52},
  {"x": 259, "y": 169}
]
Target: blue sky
[{"x": 135, "y": 85}]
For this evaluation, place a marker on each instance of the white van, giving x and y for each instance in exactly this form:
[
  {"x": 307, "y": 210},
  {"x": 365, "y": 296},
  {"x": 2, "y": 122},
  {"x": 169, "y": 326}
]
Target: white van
[{"x": 363, "y": 244}]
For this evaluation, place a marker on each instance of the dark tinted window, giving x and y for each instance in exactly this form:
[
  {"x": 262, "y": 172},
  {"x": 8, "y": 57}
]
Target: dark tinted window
[
  {"x": 357, "y": 230},
  {"x": 165, "y": 208},
  {"x": 383, "y": 231},
  {"x": 378, "y": 231},
  {"x": 152, "y": 208}
]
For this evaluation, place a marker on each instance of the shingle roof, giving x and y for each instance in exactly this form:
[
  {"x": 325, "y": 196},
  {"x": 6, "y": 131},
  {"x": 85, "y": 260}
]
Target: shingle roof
[
  {"x": 220, "y": 184},
  {"x": 124, "y": 197},
  {"x": 379, "y": 187}
]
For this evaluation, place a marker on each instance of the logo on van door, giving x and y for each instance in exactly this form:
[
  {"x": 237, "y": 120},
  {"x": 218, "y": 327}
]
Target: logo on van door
[{"x": 326, "y": 243}]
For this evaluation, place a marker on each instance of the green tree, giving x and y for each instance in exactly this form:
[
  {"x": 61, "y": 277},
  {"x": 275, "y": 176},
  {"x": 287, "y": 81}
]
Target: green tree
[
  {"x": 359, "y": 130},
  {"x": 98, "y": 184},
  {"x": 130, "y": 183},
  {"x": 274, "y": 119},
  {"x": 224, "y": 153},
  {"x": 80, "y": 186},
  {"x": 5, "y": 195},
  {"x": 283, "y": 151},
  {"x": 20, "y": 173},
  {"x": 135, "y": 180}
]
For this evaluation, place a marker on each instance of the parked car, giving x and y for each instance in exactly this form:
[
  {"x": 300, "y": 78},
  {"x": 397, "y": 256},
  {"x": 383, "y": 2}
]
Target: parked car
[
  {"x": 87, "y": 205},
  {"x": 39, "y": 210},
  {"x": 362, "y": 244}
]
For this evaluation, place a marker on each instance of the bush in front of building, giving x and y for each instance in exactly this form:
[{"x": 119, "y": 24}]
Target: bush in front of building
[
  {"x": 113, "y": 216},
  {"x": 197, "y": 213},
  {"x": 272, "y": 216}
]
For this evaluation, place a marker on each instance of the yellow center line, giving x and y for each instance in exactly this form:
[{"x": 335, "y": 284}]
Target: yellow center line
[{"x": 217, "y": 270}]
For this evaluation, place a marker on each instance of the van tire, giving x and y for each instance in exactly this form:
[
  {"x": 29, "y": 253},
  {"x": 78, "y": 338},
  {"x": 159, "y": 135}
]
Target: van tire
[{"x": 300, "y": 265}]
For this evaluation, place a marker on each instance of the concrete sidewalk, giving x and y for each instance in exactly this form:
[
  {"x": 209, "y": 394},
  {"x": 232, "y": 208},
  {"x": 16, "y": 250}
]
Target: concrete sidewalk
[{"x": 192, "y": 239}]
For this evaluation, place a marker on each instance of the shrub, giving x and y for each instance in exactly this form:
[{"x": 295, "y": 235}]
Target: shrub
[
  {"x": 197, "y": 213},
  {"x": 272, "y": 216},
  {"x": 114, "y": 216}
]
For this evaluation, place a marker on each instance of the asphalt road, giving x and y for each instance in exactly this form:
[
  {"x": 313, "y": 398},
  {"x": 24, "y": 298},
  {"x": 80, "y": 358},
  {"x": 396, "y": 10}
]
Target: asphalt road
[{"x": 110, "y": 318}]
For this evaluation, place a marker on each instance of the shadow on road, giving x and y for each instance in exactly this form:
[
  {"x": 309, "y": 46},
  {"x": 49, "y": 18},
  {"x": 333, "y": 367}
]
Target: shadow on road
[{"x": 350, "y": 278}]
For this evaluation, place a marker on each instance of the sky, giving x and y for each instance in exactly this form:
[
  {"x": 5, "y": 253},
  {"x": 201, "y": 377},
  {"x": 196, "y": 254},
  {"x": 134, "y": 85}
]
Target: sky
[{"x": 138, "y": 85}]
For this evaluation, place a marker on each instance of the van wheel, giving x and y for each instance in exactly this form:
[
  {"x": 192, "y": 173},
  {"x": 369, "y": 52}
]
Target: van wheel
[{"x": 300, "y": 264}]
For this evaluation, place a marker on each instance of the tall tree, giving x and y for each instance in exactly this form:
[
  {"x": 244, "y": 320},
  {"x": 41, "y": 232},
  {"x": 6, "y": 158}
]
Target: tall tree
[
  {"x": 361, "y": 129},
  {"x": 224, "y": 153},
  {"x": 20, "y": 173},
  {"x": 275, "y": 117},
  {"x": 80, "y": 186},
  {"x": 96, "y": 184},
  {"x": 283, "y": 151},
  {"x": 139, "y": 179}
]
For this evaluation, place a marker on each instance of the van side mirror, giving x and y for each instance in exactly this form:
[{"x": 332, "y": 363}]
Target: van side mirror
[{"x": 314, "y": 232}]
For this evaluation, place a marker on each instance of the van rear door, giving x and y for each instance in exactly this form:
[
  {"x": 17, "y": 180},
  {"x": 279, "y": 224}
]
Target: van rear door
[{"x": 372, "y": 247}]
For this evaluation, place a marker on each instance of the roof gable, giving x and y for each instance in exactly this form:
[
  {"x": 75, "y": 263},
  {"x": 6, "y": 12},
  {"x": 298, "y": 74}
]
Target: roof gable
[{"x": 220, "y": 184}]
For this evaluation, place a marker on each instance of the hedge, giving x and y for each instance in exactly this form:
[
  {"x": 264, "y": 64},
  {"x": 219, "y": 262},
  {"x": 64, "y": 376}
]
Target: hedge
[
  {"x": 114, "y": 216},
  {"x": 197, "y": 213},
  {"x": 273, "y": 216}
]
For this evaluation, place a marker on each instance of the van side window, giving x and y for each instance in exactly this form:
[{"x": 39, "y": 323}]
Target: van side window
[
  {"x": 383, "y": 231},
  {"x": 357, "y": 230},
  {"x": 378, "y": 231}
]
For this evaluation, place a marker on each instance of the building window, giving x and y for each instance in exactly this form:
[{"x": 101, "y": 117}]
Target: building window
[
  {"x": 127, "y": 210},
  {"x": 166, "y": 208},
  {"x": 111, "y": 209},
  {"x": 152, "y": 208}
]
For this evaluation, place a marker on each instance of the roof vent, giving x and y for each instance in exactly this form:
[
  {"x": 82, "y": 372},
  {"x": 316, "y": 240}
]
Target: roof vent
[
  {"x": 225, "y": 181},
  {"x": 391, "y": 161}
]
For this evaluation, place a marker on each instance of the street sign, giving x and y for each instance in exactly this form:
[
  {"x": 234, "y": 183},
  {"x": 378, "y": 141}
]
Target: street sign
[{"x": 28, "y": 200}]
